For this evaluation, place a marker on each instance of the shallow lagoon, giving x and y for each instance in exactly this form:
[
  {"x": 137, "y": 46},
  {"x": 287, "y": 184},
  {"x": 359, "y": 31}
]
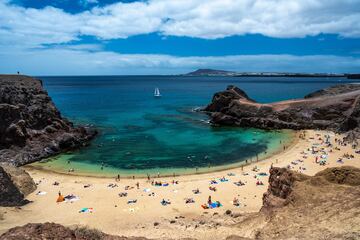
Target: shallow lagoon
[{"x": 141, "y": 134}]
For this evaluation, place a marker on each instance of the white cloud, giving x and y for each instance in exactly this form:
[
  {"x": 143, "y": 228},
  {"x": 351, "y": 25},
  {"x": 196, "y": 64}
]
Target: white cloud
[
  {"x": 193, "y": 18},
  {"x": 25, "y": 31},
  {"x": 81, "y": 61}
]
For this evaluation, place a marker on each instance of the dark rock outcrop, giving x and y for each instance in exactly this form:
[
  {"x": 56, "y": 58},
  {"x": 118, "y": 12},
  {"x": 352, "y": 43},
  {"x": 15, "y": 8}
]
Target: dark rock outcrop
[
  {"x": 20, "y": 178},
  {"x": 298, "y": 206},
  {"x": 10, "y": 195},
  {"x": 31, "y": 128},
  {"x": 336, "y": 108},
  {"x": 40, "y": 231},
  {"x": 15, "y": 185},
  {"x": 282, "y": 183}
]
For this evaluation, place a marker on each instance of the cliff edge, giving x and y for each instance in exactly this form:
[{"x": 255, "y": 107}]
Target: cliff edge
[
  {"x": 336, "y": 108},
  {"x": 31, "y": 127},
  {"x": 297, "y": 206}
]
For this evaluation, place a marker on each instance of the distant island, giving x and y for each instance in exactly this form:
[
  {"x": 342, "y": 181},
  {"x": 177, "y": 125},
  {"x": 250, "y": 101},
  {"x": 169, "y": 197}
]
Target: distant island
[{"x": 214, "y": 72}]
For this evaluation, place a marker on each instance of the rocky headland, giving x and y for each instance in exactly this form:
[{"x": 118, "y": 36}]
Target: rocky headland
[
  {"x": 31, "y": 127},
  {"x": 336, "y": 108}
]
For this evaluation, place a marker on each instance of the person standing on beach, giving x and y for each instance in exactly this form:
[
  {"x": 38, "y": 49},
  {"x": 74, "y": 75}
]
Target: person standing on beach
[{"x": 209, "y": 200}]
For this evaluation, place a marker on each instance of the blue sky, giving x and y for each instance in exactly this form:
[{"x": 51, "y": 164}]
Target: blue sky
[{"x": 84, "y": 37}]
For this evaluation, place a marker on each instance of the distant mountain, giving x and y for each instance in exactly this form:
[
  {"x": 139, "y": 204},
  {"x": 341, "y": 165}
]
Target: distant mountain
[
  {"x": 214, "y": 72},
  {"x": 353, "y": 76},
  {"x": 210, "y": 72}
]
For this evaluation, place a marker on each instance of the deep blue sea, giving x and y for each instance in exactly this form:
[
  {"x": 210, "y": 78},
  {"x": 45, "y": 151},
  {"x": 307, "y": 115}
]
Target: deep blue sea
[{"x": 141, "y": 134}]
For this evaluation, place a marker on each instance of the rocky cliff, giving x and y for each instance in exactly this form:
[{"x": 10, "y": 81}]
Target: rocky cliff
[
  {"x": 336, "y": 108},
  {"x": 297, "y": 206},
  {"x": 31, "y": 128},
  {"x": 15, "y": 185},
  {"x": 37, "y": 231}
]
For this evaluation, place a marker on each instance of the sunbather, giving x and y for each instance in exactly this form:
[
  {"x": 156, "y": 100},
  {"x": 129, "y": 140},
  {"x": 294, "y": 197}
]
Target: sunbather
[
  {"x": 212, "y": 189},
  {"x": 196, "y": 191},
  {"x": 131, "y": 201},
  {"x": 165, "y": 202},
  {"x": 236, "y": 202}
]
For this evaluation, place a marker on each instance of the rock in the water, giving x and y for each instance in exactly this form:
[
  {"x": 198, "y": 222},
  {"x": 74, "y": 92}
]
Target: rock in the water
[
  {"x": 31, "y": 128},
  {"x": 336, "y": 108}
]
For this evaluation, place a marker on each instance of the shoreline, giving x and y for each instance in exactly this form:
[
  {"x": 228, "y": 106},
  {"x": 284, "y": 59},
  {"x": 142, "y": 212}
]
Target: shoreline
[
  {"x": 114, "y": 215},
  {"x": 293, "y": 137}
]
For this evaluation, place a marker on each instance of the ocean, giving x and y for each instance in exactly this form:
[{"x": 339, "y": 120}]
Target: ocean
[{"x": 141, "y": 134}]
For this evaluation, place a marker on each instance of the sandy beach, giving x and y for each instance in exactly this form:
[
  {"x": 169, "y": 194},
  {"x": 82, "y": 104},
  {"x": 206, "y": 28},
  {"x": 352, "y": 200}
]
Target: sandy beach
[{"x": 148, "y": 217}]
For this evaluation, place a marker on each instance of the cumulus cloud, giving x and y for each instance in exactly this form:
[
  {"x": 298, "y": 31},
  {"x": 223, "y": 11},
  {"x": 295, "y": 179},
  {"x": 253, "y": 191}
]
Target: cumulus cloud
[
  {"x": 193, "y": 18},
  {"x": 43, "y": 41}
]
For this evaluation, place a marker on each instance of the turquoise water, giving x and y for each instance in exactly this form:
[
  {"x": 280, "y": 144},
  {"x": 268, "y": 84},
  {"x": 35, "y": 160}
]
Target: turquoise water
[{"x": 143, "y": 134}]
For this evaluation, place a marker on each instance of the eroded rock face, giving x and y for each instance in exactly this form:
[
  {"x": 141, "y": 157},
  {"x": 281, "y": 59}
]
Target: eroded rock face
[
  {"x": 15, "y": 185},
  {"x": 20, "y": 178},
  {"x": 281, "y": 183},
  {"x": 31, "y": 128},
  {"x": 297, "y": 206},
  {"x": 40, "y": 231},
  {"x": 10, "y": 195},
  {"x": 336, "y": 108}
]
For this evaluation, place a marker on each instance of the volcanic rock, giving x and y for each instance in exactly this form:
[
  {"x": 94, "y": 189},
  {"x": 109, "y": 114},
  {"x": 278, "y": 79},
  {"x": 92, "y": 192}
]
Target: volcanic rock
[
  {"x": 10, "y": 195},
  {"x": 40, "y": 231},
  {"x": 297, "y": 206},
  {"x": 31, "y": 128},
  {"x": 336, "y": 108}
]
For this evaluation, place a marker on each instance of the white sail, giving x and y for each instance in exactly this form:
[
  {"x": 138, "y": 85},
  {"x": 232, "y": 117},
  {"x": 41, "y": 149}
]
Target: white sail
[{"x": 157, "y": 92}]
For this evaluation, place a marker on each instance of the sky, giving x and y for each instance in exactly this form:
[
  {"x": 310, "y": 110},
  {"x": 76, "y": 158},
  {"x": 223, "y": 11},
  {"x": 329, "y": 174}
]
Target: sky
[{"x": 112, "y": 37}]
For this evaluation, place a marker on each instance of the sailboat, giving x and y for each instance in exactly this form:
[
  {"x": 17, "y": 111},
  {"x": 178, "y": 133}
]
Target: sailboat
[{"x": 157, "y": 92}]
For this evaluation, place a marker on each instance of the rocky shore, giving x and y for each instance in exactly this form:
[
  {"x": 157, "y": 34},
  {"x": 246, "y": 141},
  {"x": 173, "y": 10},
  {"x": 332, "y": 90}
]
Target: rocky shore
[
  {"x": 31, "y": 127},
  {"x": 336, "y": 108}
]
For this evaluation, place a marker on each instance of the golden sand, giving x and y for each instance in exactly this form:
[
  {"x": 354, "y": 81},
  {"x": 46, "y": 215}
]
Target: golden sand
[{"x": 112, "y": 214}]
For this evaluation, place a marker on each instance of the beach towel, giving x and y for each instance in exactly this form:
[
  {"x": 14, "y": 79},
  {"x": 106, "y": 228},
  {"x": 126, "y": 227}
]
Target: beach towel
[
  {"x": 41, "y": 193},
  {"x": 71, "y": 198},
  {"x": 86, "y": 210},
  {"x": 239, "y": 184},
  {"x": 224, "y": 180},
  {"x": 211, "y": 206},
  {"x": 147, "y": 190}
]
